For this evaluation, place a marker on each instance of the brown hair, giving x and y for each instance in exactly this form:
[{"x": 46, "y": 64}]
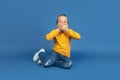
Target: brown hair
[{"x": 59, "y": 16}]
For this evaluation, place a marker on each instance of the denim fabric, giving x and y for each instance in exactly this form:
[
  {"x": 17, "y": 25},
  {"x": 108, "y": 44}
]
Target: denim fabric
[{"x": 55, "y": 59}]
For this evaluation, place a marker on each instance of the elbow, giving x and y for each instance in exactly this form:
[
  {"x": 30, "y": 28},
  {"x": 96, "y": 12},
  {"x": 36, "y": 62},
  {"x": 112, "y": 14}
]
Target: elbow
[
  {"x": 79, "y": 37},
  {"x": 48, "y": 38}
]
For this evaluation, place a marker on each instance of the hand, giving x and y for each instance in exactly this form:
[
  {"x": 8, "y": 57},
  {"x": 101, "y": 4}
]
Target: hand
[
  {"x": 58, "y": 29},
  {"x": 63, "y": 27}
]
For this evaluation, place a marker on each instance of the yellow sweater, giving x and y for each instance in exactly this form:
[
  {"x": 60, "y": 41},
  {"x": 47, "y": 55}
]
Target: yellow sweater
[{"x": 62, "y": 40}]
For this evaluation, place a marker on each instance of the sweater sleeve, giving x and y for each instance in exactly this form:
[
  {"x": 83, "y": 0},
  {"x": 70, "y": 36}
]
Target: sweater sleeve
[
  {"x": 73, "y": 34},
  {"x": 51, "y": 35}
]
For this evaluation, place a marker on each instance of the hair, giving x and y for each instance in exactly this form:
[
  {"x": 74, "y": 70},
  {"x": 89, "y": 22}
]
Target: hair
[{"x": 59, "y": 16}]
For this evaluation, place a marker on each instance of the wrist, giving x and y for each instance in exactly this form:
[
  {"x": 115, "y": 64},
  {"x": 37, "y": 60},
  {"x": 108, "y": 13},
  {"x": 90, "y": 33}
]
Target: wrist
[
  {"x": 66, "y": 30},
  {"x": 58, "y": 30}
]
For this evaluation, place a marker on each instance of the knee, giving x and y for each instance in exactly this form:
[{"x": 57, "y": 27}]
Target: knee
[
  {"x": 68, "y": 65},
  {"x": 47, "y": 63}
]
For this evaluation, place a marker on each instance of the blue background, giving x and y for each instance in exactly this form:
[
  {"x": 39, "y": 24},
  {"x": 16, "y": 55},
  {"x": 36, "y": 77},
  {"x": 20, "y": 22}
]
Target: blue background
[{"x": 24, "y": 24}]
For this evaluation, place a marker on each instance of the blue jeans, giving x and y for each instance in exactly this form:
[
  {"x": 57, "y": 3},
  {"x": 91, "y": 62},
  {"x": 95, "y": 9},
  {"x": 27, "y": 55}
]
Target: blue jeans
[{"x": 55, "y": 59}]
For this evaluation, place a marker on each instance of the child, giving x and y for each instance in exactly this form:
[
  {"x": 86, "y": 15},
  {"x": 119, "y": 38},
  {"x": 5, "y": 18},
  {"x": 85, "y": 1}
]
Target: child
[{"x": 60, "y": 56}]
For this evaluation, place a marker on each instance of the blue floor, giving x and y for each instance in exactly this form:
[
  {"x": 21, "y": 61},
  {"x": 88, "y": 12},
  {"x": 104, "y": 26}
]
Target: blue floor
[{"x": 87, "y": 65}]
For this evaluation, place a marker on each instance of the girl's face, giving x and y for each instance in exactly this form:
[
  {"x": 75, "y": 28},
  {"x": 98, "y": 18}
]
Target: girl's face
[{"x": 62, "y": 21}]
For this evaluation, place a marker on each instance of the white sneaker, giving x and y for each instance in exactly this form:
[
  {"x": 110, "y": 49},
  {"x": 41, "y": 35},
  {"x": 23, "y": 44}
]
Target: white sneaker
[
  {"x": 39, "y": 61},
  {"x": 36, "y": 55}
]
